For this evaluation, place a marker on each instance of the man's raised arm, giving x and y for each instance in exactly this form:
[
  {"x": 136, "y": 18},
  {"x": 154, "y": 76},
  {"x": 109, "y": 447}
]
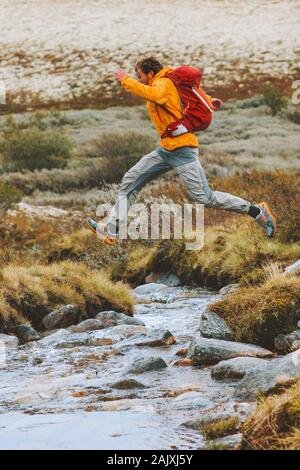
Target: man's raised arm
[{"x": 156, "y": 93}]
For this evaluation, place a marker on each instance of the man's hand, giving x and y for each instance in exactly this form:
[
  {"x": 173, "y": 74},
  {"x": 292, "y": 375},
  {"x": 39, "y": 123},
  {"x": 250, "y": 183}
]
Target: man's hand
[
  {"x": 217, "y": 103},
  {"x": 120, "y": 74}
]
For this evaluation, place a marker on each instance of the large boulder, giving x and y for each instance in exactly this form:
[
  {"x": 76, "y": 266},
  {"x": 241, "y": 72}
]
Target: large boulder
[
  {"x": 191, "y": 400},
  {"x": 228, "y": 289},
  {"x": 213, "y": 326},
  {"x": 26, "y": 333},
  {"x": 8, "y": 341},
  {"x": 151, "y": 288},
  {"x": 103, "y": 320},
  {"x": 211, "y": 351},
  {"x": 61, "y": 318},
  {"x": 237, "y": 367},
  {"x": 103, "y": 337},
  {"x": 279, "y": 372},
  {"x": 146, "y": 364},
  {"x": 169, "y": 279}
]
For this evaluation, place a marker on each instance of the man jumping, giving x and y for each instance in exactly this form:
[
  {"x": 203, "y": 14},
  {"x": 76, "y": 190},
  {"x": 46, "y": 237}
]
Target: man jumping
[{"x": 174, "y": 152}]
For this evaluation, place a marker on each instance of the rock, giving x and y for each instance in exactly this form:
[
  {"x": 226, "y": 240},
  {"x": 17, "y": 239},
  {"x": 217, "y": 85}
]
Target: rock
[
  {"x": 53, "y": 338},
  {"x": 127, "y": 384},
  {"x": 298, "y": 324},
  {"x": 295, "y": 345},
  {"x": 293, "y": 267},
  {"x": 87, "y": 325},
  {"x": 146, "y": 364},
  {"x": 287, "y": 343},
  {"x": 111, "y": 318},
  {"x": 38, "y": 211},
  {"x": 26, "y": 333},
  {"x": 232, "y": 442},
  {"x": 102, "y": 337},
  {"x": 191, "y": 400},
  {"x": 208, "y": 419},
  {"x": 61, "y": 318},
  {"x": 181, "y": 352},
  {"x": 154, "y": 338},
  {"x": 228, "y": 289},
  {"x": 184, "y": 363},
  {"x": 278, "y": 372},
  {"x": 210, "y": 351},
  {"x": 236, "y": 368},
  {"x": 151, "y": 288},
  {"x": 8, "y": 341},
  {"x": 213, "y": 326},
  {"x": 169, "y": 279}
]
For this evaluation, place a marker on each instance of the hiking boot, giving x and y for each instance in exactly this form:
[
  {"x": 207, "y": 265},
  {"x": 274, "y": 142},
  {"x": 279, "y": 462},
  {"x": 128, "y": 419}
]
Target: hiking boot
[
  {"x": 266, "y": 219},
  {"x": 101, "y": 231}
]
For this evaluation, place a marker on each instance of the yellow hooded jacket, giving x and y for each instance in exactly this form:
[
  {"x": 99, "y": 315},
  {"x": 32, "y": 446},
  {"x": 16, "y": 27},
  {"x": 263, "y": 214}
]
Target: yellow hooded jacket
[{"x": 161, "y": 91}]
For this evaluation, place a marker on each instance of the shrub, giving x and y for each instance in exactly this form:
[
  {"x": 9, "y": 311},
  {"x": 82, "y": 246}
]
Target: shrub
[
  {"x": 8, "y": 195},
  {"x": 120, "y": 151},
  {"x": 30, "y": 293},
  {"x": 129, "y": 144},
  {"x": 57, "y": 180},
  {"x": 274, "y": 99},
  {"x": 34, "y": 149},
  {"x": 294, "y": 116}
]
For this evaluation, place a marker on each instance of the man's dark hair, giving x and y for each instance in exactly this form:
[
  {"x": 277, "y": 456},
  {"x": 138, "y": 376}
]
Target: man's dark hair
[{"x": 147, "y": 64}]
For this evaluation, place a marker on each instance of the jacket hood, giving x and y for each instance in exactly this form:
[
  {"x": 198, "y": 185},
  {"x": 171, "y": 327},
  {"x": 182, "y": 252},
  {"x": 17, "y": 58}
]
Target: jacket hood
[{"x": 161, "y": 73}]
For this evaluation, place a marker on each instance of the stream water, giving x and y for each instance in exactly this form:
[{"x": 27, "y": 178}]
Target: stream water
[{"x": 56, "y": 393}]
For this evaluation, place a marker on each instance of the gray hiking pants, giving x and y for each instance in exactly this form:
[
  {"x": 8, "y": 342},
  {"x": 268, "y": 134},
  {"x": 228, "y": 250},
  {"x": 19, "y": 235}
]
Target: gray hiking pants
[{"x": 186, "y": 163}]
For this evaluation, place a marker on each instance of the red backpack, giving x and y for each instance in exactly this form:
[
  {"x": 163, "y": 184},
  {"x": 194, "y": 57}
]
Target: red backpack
[{"x": 196, "y": 109}]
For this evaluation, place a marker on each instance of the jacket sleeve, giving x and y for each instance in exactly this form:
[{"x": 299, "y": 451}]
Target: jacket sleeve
[{"x": 156, "y": 93}]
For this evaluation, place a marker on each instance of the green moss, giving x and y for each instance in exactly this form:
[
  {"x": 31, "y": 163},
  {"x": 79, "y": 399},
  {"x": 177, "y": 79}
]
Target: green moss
[{"x": 221, "y": 428}]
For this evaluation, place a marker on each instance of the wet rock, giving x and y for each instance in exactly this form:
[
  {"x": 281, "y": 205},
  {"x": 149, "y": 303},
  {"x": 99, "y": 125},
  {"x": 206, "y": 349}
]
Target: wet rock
[
  {"x": 146, "y": 289},
  {"x": 111, "y": 318},
  {"x": 293, "y": 267},
  {"x": 232, "y": 442},
  {"x": 146, "y": 364},
  {"x": 236, "y": 368},
  {"x": 279, "y": 372},
  {"x": 213, "y": 326},
  {"x": 105, "y": 337},
  {"x": 184, "y": 363},
  {"x": 228, "y": 289},
  {"x": 87, "y": 325},
  {"x": 191, "y": 400},
  {"x": 181, "y": 352},
  {"x": 154, "y": 338},
  {"x": 61, "y": 318},
  {"x": 208, "y": 419},
  {"x": 169, "y": 279},
  {"x": 26, "y": 333},
  {"x": 126, "y": 384},
  {"x": 287, "y": 343},
  {"x": 8, "y": 341},
  {"x": 210, "y": 351},
  {"x": 53, "y": 338}
]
